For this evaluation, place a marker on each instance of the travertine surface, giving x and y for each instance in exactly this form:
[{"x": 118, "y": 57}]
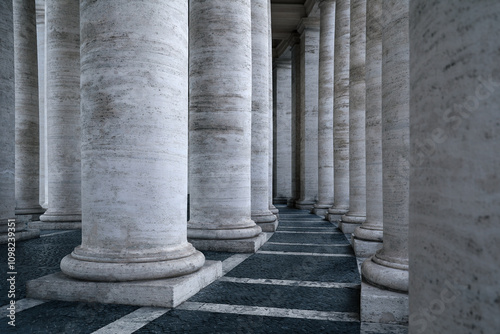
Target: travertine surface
[
  {"x": 454, "y": 242},
  {"x": 63, "y": 111},
  {"x": 325, "y": 107},
  {"x": 26, "y": 108},
  {"x": 134, "y": 143},
  {"x": 389, "y": 266},
  {"x": 371, "y": 230},
  {"x": 357, "y": 110},
  {"x": 282, "y": 91},
  {"x": 308, "y": 110},
  {"x": 220, "y": 120},
  {"x": 341, "y": 109},
  {"x": 260, "y": 114}
]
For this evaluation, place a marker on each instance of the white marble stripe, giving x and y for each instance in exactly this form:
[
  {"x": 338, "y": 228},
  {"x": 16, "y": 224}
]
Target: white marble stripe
[
  {"x": 304, "y": 254},
  {"x": 307, "y": 232},
  {"x": 269, "y": 311},
  {"x": 305, "y": 244},
  {"x": 229, "y": 263},
  {"x": 21, "y": 305},
  {"x": 308, "y": 227},
  {"x": 55, "y": 233},
  {"x": 133, "y": 321},
  {"x": 307, "y": 284}
]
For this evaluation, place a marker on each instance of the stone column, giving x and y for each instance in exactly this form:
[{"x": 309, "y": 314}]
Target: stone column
[
  {"x": 308, "y": 127},
  {"x": 220, "y": 127},
  {"x": 368, "y": 237},
  {"x": 260, "y": 117},
  {"x": 454, "y": 181},
  {"x": 388, "y": 268},
  {"x": 7, "y": 131},
  {"x": 272, "y": 208},
  {"x": 63, "y": 115},
  {"x": 325, "y": 107},
  {"x": 27, "y": 113},
  {"x": 134, "y": 143},
  {"x": 41, "y": 41},
  {"x": 282, "y": 90},
  {"x": 341, "y": 110},
  {"x": 357, "y": 110},
  {"x": 295, "y": 139}
]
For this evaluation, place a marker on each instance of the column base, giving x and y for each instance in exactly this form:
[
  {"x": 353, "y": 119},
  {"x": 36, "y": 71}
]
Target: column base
[
  {"x": 21, "y": 232},
  {"x": 167, "y": 292},
  {"x": 365, "y": 248},
  {"x": 335, "y": 214},
  {"x": 321, "y": 210},
  {"x": 304, "y": 205},
  {"x": 383, "y": 306},
  {"x": 266, "y": 220},
  {"x": 49, "y": 216},
  {"x": 269, "y": 227},
  {"x": 36, "y": 210},
  {"x": 349, "y": 223},
  {"x": 29, "y": 217},
  {"x": 248, "y": 245},
  {"x": 275, "y": 211},
  {"x": 45, "y": 225}
]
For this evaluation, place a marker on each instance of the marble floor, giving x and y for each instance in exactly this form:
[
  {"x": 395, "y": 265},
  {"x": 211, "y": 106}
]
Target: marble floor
[{"x": 305, "y": 279}]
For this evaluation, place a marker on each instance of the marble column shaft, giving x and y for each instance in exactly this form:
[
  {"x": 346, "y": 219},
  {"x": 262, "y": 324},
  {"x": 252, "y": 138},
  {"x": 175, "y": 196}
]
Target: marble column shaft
[
  {"x": 220, "y": 120},
  {"x": 341, "y": 109},
  {"x": 325, "y": 107},
  {"x": 63, "y": 111},
  {"x": 389, "y": 266},
  {"x": 371, "y": 230},
  {"x": 454, "y": 174},
  {"x": 308, "y": 127},
  {"x": 134, "y": 143},
  {"x": 282, "y": 90},
  {"x": 295, "y": 139},
  {"x": 357, "y": 110},
  {"x": 260, "y": 114},
  {"x": 7, "y": 125},
  {"x": 26, "y": 106}
]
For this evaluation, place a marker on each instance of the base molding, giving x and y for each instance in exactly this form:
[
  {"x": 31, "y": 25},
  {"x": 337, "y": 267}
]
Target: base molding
[
  {"x": 248, "y": 245},
  {"x": 365, "y": 248},
  {"x": 168, "y": 292},
  {"x": 347, "y": 227}
]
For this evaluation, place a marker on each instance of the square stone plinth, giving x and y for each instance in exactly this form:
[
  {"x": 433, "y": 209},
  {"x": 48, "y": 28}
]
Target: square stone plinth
[
  {"x": 269, "y": 227},
  {"x": 347, "y": 228},
  {"x": 168, "y": 292},
  {"x": 56, "y": 225},
  {"x": 249, "y": 245},
  {"x": 365, "y": 248},
  {"x": 383, "y": 306}
]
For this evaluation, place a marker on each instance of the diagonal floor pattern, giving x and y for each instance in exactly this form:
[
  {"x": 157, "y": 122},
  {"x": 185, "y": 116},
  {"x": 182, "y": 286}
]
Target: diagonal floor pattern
[{"x": 305, "y": 279}]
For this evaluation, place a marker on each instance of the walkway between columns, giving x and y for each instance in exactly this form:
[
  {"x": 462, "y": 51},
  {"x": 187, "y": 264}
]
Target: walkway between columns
[{"x": 303, "y": 280}]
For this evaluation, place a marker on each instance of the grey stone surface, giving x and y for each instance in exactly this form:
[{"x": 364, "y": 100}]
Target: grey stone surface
[
  {"x": 341, "y": 110},
  {"x": 63, "y": 112},
  {"x": 134, "y": 143},
  {"x": 308, "y": 111},
  {"x": 357, "y": 111},
  {"x": 389, "y": 266},
  {"x": 58, "y": 225},
  {"x": 26, "y": 108},
  {"x": 220, "y": 121},
  {"x": 383, "y": 306},
  {"x": 244, "y": 245},
  {"x": 454, "y": 173},
  {"x": 371, "y": 232},
  {"x": 325, "y": 107},
  {"x": 282, "y": 167},
  {"x": 260, "y": 114},
  {"x": 7, "y": 114},
  {"x": 168, "y": 292}
]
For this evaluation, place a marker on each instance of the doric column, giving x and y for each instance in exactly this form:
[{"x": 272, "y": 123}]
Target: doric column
[
  {"x": 41, "y": 41},
  {"x": 63, "y": 115},
  {"x": 282, "y": 90},
  {"x": 308, "y": 126},
  {"x": 134, "y": 143},
  {"x": 27, "y": 113},
  {"x": 341, "y": 110},
  {"x": 388, "y": 268},
  {"x": 260, "y": 117},
  {"x": 220, "y": 127},
  {"x": 368, "y": 237},
  {"x": 325, "y": 107},
  {"x": 357, "y": 110},
  {"x": 295, "y": 134},
  {"x": 454, "y": 183}
]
